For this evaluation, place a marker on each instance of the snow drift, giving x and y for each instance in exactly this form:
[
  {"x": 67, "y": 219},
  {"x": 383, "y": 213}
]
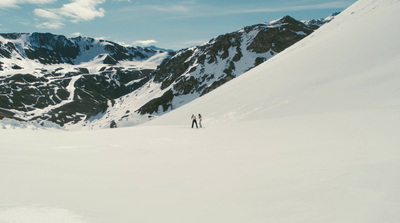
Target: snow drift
[{"x": 317, "y": 141}]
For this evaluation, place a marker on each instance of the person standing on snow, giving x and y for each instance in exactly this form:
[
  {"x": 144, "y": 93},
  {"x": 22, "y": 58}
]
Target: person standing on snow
[
  {"x": 200, "y": 120},
  {"x": 194, "y": 121}
]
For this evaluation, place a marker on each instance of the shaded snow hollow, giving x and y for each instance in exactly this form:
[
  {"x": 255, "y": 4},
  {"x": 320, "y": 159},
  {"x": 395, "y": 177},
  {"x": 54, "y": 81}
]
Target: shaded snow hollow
[{"x": 309, "y": 136}]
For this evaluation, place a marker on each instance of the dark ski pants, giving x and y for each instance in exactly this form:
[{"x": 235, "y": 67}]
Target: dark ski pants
[{"x": 194, "y": 122}]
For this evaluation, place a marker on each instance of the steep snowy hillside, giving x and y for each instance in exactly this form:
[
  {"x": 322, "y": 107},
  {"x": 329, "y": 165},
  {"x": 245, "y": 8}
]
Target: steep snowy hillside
[
  {"x": 350, "y": 64},
  {"x": 64, "y": 80},
  {"x": 313, "y": 136},
  {"x": 196, "y": 71}
]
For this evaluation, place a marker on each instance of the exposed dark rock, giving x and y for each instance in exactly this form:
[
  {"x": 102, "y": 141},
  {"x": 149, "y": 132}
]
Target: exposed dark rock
[
  {"x": 216, "y": 84},
  {"x": 113, "y": 124},
  {"x": 16, "y": 67},
  {"x": 153, "y": 106},
  {"x": 10, "y": 115},
  {"x": 110, "y": 60},
  {"x": 259, "y": 60}
]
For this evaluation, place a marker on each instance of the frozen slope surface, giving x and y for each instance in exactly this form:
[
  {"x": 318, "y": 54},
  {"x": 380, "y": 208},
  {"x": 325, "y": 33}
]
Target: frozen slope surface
[
  {"x": 298, "y": 143},
  {"x": 349, "y": 64}
]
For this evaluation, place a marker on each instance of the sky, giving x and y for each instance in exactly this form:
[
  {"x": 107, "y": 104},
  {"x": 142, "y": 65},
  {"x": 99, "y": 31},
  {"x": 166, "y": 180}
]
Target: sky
[{"x": 171, "y": 24}]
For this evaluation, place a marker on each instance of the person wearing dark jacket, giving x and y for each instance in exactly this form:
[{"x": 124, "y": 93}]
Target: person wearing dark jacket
[{"x": 194, "y": 121}]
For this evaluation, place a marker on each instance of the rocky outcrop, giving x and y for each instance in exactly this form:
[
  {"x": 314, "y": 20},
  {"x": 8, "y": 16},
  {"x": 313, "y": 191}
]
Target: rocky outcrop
[
  {"x": 199, "y": 70},
  {"x": 65, "y": 80}
]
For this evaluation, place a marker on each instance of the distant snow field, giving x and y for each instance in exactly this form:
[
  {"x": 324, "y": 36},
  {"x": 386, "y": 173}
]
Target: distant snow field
[{"x": 312, "y": 135}]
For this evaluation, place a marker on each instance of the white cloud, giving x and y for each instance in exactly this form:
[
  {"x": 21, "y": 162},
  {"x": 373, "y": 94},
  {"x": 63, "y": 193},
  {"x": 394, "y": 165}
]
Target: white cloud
[
  {"x": 16, "y": 3},
  {"x": 8, "y": 4},
  {"x": 171, "y": 8},
  {"x": 76, "y": 34},
  {"x": 82, "y": 10},
  {"x": 47, "y": 14},
  {"x": 37, "y": 1},
  {"x": 50, "y": 25},
  {"x": 144, "y": 42},
  {"x": 182, "y": 7},
  {"x": 75, "y": 11}
]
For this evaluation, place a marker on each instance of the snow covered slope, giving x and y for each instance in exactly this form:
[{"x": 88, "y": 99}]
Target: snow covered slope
[
  {"x": 196, "y": 71},
  {"x": 350, "y": 64},
  {"x": 313, "y": 144}
]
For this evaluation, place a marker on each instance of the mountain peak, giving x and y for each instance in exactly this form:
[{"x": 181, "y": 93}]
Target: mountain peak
[
  {"x": 316, "y": 23},
  {"x": 287, "y": 18},
  {"x": 283, "y": 20}
]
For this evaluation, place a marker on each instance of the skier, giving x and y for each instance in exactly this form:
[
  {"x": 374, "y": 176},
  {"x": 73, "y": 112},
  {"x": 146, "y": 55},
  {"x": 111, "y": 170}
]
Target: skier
[
  {"x": 194, "y": 121},
  {"x": 200, "y": 120}
]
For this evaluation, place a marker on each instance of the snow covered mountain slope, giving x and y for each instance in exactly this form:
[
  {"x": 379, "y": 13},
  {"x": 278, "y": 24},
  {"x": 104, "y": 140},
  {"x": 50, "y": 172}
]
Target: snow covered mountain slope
[
  {"x": 196, "y": 71},
  {"x": 320, "y": 144},
  {"x": 51, "y": 77},
  {"x": 19, "y": 51},
  {"x": 328, "y": 71}
]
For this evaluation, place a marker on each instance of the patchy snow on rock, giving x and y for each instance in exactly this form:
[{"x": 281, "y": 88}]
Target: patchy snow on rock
[{"x": 8, "y": 123}]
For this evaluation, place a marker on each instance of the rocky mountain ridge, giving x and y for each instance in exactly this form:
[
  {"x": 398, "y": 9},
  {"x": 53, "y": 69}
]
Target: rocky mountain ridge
[
  {"x": 64, "y": 80},
  {"x": 196, "y": 71},
  {"x": 47, "y": 48},
  {"x": 100, "y": 84}
]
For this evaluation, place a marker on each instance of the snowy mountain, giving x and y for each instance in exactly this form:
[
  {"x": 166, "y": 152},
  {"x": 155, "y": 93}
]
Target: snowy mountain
[
  {"x": 51, "y": 77},
  {"x": 348, "y": 65},
  {"x": 316, "y": 23},
  {"x": 47, "y": 49},
  {"x": 100, "y": 84},
  {"x": 311, "y": 135},
  {"x": 195, "y": 71}
]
